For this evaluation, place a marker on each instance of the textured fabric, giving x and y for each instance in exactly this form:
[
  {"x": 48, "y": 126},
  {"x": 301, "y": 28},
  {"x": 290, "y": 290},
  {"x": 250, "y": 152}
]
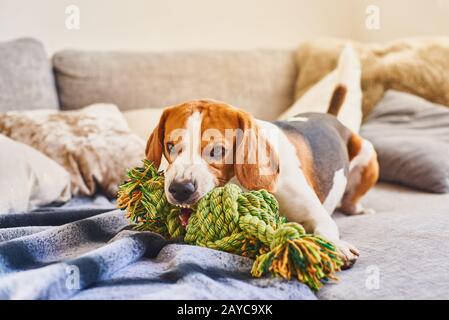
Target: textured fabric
[
  {"x": 143, "y": 121},
  {"x": 401, "y": 244},
  {"x": 417, "y": 65},
  {"x": 40, "y": 262},
  {"x": 26, "y": 77},
  {"x": 318, "y": 97},
  {"x": 411, "y": 137},
  {"x": 231, "y": 220},
  {"x": 262, "y": 82},
  {"x": 28, "y": 178},
  {"x": 94, "y": 144},
  {"x": 403, "y": 247}
]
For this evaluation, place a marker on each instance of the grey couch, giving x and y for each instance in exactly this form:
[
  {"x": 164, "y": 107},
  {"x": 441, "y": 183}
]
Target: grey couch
[{"x": 404, "y": 245}]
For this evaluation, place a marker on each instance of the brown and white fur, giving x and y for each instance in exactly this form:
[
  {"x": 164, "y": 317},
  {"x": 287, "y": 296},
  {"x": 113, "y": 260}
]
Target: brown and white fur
[{"x": 318, "y": 164}]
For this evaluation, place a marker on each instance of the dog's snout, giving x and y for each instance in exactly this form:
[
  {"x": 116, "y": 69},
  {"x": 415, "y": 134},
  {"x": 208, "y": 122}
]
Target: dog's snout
[{"x": 181, "y": 191}]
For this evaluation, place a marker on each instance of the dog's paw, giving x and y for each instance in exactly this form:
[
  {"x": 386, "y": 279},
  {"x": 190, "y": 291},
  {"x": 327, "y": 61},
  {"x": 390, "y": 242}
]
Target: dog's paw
[
  {"x": 367, "y": 211},
  {"x": 356, "y": 209},
  {"x": 348, "y": 253}
]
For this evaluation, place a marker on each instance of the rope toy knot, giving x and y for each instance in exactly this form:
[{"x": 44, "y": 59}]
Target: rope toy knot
[
  {"x": 228, "y": 219},
  {"x": 287, "y": 231}
]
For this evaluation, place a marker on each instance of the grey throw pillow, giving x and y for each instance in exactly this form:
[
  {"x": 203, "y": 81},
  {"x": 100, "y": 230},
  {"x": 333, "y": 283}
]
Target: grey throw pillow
[
  {"x": 26, "y": 77},
  {"x": 411, "y": 137}
]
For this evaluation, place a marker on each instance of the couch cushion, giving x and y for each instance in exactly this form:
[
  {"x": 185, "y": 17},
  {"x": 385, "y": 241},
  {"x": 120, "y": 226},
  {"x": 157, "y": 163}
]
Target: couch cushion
[
  {"x": 403, "y": 247},
  {"x": 259, "y": 81},
  {"x": 26, "y": 78},
  {"x": 143, "y": 121},
  {"x": 28, "y": 178}
]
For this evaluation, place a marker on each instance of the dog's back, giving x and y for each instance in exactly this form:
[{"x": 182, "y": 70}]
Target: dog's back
[{"x": 326, "y": 140}]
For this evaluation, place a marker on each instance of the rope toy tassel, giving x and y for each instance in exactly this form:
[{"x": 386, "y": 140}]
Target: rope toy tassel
[
  {"x": 311, "y": 259},
  {"x": 228, "y": 219}
]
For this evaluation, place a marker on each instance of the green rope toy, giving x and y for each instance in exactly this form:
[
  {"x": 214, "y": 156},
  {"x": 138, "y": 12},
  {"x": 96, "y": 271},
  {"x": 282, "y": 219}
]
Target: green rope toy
[{"x": 228, "y": 219}]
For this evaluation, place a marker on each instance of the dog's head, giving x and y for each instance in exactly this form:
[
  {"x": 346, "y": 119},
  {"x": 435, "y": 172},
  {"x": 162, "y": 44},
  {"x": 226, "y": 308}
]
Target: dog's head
[{"x": 206, "y": 143}]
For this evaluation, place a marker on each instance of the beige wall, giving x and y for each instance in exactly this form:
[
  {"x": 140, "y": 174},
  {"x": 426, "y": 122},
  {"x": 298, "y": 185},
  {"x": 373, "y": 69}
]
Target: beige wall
[
  {"x": 219, "y": 24},
  {"x": 402, "y": 18},
  {"x": 173, "y": 24}
]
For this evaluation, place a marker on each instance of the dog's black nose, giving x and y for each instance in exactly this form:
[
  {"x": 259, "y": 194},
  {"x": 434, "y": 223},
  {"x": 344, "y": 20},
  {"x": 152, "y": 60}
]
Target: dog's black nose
[{"x": 181, "y": 191}]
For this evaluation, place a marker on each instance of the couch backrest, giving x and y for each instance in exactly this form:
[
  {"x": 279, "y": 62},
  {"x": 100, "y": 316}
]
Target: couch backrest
[
  {"x": 26, "y": 78},
  {"x": 260, "y": 81}
]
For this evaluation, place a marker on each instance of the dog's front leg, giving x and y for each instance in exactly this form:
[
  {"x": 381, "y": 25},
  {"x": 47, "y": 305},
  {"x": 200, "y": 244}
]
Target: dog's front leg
[
  {"x": 320, "y": 223},
  {"x": 303, "y": 206}
]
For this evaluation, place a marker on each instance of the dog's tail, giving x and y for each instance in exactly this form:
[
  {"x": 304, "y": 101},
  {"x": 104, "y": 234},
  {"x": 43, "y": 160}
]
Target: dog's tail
[
  {"x": 346, "y": 96},
  {"x": 338, "y": 97}
]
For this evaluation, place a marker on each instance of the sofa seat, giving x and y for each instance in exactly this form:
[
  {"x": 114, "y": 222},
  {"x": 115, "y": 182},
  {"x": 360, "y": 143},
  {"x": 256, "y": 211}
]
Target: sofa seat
[{"x": 404, "y": 245}]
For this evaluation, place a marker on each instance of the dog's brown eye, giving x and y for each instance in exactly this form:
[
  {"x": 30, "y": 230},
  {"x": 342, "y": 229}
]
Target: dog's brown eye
[
  {"x": 170, "y": 147},
  {"x": 217, "y": 152}
]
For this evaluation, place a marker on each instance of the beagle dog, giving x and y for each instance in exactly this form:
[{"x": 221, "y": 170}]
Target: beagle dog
[{"x": 311, "y": 163}]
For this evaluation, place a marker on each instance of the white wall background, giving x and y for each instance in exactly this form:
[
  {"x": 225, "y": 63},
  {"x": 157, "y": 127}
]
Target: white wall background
[
  {"x": 172, "y": 24},
  {"x": 217, "y": 24}
]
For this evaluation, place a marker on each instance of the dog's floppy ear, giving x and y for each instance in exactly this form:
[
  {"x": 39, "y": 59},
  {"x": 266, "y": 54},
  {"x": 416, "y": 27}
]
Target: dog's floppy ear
[
  {"x": 256, "y": 163},
  {"x": 155, "y": 143}
]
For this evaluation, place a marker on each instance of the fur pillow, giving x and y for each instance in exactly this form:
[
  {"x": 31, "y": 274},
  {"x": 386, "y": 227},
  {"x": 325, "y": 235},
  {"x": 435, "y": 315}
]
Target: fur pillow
[
  {"x": 419, "y": 66},
  {"x": 93, "y": 144}
]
